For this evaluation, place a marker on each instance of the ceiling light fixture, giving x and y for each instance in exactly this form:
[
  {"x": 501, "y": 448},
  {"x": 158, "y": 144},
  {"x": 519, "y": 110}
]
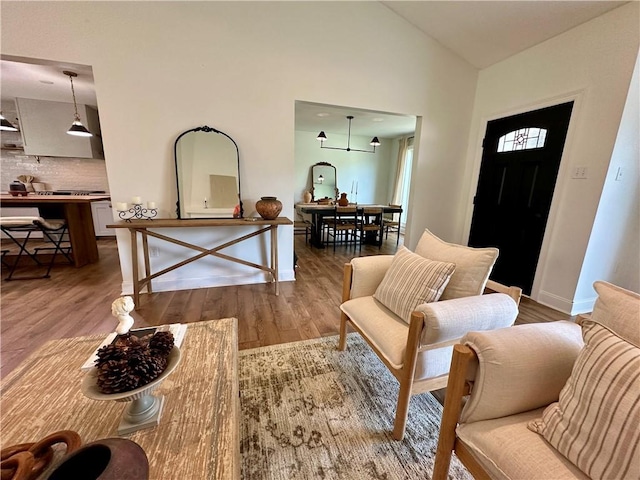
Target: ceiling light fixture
[
  {"x": 6, "y": 125},
  {"x": 76, "y": 127},
  {"x": 374, "y": 141}
]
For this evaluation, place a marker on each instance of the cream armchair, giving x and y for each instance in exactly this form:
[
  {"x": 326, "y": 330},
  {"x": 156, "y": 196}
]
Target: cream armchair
[
  {"x": 417, "y": 350},
  {"x": 549, "y": 400}
]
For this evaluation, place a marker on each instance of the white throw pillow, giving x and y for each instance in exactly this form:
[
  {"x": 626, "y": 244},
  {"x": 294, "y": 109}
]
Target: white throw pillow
[
  {"x": 473, "y": 265},
  {"x": 410, "y": 281}
]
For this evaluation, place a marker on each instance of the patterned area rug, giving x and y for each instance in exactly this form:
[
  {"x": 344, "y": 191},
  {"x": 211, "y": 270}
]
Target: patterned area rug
[{"x": 312, "y": 412}]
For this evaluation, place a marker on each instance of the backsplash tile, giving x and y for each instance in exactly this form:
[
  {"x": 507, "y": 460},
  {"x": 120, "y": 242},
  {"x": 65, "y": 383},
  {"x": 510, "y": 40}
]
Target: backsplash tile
[{"x": 56, "y": 172}]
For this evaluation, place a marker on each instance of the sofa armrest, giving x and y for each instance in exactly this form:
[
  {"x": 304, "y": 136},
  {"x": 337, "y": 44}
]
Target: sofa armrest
[
  {"x": 520, "y": 368},
  {"x": 446, "y": 321},
  {"x": 367, "y": 273}
]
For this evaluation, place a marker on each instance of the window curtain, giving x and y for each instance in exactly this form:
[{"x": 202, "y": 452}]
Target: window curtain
[{"x": 399, "y": 185}]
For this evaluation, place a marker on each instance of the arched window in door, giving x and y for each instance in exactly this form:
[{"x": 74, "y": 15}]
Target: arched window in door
[{"x": 522, "y": 139}]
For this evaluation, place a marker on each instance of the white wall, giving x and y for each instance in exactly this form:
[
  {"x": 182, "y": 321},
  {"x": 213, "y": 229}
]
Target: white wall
[
  {"x": 613, "y": 253},
  {"x": 164, "y": 67},
  {"x": 368, "y": 171},
  {"x": 592, "y": 64}
]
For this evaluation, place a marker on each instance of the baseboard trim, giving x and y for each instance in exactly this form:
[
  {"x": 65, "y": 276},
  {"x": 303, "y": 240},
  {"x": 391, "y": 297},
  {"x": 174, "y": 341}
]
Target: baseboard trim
[
  {"x": 565, "y": 305},
  {"x": 208, "y": 282}
]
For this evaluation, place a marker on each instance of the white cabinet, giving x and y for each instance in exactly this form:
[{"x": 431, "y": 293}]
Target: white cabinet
[
  {"x": 102, "y": 216},
  {"x": 44, "y": 128}
]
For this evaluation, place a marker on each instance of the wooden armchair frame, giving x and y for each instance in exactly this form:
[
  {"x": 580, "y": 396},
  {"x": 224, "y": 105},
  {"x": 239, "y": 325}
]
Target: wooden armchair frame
[
  {"x": 405, "y": 375},
  {"x": 458, "y": 387}
]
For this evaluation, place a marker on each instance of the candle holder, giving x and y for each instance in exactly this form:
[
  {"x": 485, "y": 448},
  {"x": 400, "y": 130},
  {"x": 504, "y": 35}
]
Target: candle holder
[{"x": 137, "y": 212}]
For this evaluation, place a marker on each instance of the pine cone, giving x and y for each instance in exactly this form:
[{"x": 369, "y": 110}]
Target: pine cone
[
  {"x": 115, "y": 376},
  {"x": 161, "y": 344},
  {"x": 146, "y": 368},
  {"x": 109, "y": 352}
]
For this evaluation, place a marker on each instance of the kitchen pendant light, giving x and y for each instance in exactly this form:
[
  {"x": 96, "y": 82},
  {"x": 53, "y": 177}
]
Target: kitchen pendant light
[
  {"x": 6, "y": 125},
  {"x": 76, "y": 127},
  {"x": 374, "y": 141}
]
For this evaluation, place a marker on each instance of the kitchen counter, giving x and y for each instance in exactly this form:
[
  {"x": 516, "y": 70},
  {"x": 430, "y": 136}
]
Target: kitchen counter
[{"x": 76, "y": 210}]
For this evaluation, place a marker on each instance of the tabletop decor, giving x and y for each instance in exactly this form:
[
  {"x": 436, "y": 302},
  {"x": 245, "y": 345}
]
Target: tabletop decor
[
  {"x": 269, "y": 207},
  {"x": 106, "y": 459},
  {"x": 136, "y": 211},
  {"x": 130, "y": 368}
]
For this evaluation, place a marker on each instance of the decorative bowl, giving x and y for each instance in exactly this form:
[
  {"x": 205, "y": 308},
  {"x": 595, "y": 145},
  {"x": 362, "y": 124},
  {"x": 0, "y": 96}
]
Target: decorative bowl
[{"x": 145, "y": 409}]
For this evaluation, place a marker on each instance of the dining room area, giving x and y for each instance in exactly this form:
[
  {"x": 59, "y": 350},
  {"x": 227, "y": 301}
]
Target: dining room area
[{"x": 353, "y": 174}]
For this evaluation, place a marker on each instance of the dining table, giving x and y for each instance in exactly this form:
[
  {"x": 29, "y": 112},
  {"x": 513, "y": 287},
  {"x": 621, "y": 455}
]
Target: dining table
[{"x": 319, "y": 211}]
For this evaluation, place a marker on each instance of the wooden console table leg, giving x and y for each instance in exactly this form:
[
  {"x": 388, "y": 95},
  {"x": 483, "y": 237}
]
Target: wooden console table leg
[
  {"x": 134, "y": 267},
  {"x": 274, "y": 256},
  {"x": 147, "y": 264}
]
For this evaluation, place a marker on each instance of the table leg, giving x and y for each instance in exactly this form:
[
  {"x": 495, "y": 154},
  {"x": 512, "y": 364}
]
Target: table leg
[
  {"x": 134, "y": 267},
  {"x": 316, "y": 230},
  {"x": 81, "y": 233},
  {"x": 147, "y": 264},
  {"x": 274, "y": 256}
]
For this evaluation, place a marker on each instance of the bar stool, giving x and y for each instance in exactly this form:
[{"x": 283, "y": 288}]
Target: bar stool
[{"x": 54, "y": 230}]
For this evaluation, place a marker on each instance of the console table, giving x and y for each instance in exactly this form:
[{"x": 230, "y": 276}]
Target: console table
[
  {"x": 147, "y": 228},
  {"x": 198, "y": 433}
]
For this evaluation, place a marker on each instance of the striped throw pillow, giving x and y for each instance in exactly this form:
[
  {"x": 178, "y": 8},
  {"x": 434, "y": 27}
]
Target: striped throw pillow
[
  {"x": 595, "y": 423},
  {"x": 410, "y": 281}
]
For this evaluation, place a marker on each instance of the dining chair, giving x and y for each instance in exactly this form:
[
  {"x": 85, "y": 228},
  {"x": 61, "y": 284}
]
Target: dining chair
[
  {"x": 371, "y": 226},
  {"x": 345, "y": 225},
  {"x": 393, "y": 224}
]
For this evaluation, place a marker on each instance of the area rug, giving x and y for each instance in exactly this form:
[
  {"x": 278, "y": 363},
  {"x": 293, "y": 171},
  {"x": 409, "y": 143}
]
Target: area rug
[{"x": 310, "y": 411}]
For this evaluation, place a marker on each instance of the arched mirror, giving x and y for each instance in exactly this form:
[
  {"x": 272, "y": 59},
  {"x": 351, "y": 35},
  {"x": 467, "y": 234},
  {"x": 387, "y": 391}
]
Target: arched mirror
[
  {"x": 207, "y": 173},
  {"x": 324, "y": 181}
]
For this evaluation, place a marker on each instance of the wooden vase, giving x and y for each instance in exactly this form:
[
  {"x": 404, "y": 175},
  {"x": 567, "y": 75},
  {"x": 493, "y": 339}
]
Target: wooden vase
[{"x": 343, "y": 201}]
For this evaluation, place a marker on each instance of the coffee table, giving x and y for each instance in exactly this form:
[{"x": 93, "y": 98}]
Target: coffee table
[{"x": 198, "y": 432}]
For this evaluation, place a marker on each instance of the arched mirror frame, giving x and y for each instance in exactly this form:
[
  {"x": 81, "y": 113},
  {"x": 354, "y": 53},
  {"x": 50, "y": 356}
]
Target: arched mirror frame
[
  {"x": 313, "y": 180},
  {"x": 205, "y": 129}
]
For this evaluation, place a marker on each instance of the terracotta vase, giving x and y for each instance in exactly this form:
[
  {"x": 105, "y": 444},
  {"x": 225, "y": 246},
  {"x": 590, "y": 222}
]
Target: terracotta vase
[
  {"x": 306, "y": 197},
  {"x": 269, "y": 207},
  {"x": 107, "y": 459},
  {"x": 343, "y": 201}
]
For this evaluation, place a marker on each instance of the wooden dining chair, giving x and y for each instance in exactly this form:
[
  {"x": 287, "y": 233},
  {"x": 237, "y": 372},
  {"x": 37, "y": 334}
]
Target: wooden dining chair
[
  {"x": 345, "y": 225},
  {"x": 393, "y": 224},
  {"x": 371, "y": 225}
]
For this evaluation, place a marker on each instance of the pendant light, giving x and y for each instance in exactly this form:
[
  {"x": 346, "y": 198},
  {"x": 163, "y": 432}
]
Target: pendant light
[
  {"x": 6, "y": 125},
  {"x": 374, "y": 141},
  {"x": 76, "y": 127}
]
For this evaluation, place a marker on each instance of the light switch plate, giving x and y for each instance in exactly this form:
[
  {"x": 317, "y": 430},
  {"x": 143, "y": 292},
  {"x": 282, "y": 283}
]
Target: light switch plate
[{"x": 579, "y": 172}]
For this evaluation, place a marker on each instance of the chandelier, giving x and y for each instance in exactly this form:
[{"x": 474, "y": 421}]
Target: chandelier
[{"x": 374, "y": 141}]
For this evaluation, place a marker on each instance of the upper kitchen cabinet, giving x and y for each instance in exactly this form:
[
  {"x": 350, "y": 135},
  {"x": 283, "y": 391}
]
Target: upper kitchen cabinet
[{"x": 44, "y": 126}]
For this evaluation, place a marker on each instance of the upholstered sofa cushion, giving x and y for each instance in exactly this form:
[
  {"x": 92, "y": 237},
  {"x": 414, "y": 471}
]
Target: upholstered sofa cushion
[
  {"x": 410, "y": 281},
  {"x": 509, "y": 451},
  {"x": 595, "y": 421},
  {"x": 473, "y": 265},
  {"x": 520, "y": 368},
  {"x": 444, "y": 322},
  {"x": 367, "y": 273},
  {"x": 618, "y": 310}
]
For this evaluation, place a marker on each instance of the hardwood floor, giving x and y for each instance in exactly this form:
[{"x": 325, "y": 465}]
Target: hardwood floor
[{"x": 77, "y": 301}]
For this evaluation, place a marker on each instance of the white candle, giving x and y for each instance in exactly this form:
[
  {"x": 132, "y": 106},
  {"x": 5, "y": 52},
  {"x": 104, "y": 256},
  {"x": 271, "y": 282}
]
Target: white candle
[
  {"x": 356, "y": 188},
  {"x": 352, "y": 187},
  {"x": 151, "y": 204},
  {"x": 121, "y": 206},
  {"x": 137, "y": 200}
]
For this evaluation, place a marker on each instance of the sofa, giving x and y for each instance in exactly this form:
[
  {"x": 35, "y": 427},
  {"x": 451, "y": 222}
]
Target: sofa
[{"x": 557, "y": 400}]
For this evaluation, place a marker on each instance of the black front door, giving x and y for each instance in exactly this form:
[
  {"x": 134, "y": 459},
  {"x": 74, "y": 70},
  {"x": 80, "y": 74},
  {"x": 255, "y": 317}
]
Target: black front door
[{"x": 520, "y": 162}]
